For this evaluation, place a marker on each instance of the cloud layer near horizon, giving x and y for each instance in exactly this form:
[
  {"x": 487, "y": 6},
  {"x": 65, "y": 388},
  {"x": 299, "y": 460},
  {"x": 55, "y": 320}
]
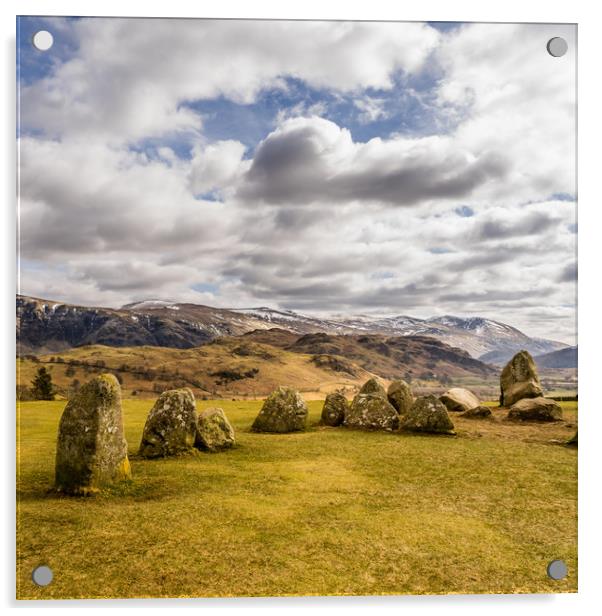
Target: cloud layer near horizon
[{"x": 123, "y": 196}]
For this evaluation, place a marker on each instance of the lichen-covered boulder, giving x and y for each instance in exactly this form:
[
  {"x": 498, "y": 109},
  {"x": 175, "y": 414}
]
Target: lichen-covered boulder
[
  {"x": 171, "y": 425},
  {"x": 519, "y": 379},
  {"x": 535, "y": 409},
  {"x": 284, "y": 410},
  {"x": 214, "y": 432},
  {"x": 334, "y": 409},
  {"x": 374, "y": 387},
  {"x": 478, "y": 412},
  {"x": 428, "y": 414},
  {"x": 91, "y": 448},
  {"x": 459, "y": 400},
  {"x": 371, "y": 412},
  {"x": 400, "y": 396}
]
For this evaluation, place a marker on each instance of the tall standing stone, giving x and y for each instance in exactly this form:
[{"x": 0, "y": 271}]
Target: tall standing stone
[
  {"x": 171, "y": 425},
  {"x": 519, "y": 379},
  {"x": 91, "y": 448}
]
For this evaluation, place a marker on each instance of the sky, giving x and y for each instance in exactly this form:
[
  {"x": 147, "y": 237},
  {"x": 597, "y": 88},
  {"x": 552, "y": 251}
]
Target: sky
[{"x": 331, "y": 168}]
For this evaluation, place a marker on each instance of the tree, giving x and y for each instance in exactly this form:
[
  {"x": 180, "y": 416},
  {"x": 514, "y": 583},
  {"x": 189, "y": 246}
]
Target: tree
[{"x": 41, "y": 386}]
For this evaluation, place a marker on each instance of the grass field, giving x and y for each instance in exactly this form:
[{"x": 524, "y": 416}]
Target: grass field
[{"x": 325, "y": 512}]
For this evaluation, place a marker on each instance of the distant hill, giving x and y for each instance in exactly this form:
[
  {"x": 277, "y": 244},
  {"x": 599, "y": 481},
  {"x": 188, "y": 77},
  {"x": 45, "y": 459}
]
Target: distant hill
[
  {"x": 248, "y": 365},
  {"x": 49, "y": 326},
  {"x": 563, "y": 358},
  {"x": 387, "y": 356}
]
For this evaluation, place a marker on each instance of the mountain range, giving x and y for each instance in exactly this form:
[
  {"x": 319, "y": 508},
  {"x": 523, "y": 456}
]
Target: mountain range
[{"x": 45, "y": 326}]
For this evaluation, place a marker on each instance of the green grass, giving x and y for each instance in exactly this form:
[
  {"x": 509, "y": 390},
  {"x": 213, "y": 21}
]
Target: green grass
[{"x": 328, "y": 511}]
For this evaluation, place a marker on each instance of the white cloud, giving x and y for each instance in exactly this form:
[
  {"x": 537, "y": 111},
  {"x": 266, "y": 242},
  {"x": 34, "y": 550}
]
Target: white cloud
[
  {"x": 216, "y": 166},
  {"x": 130, "y": 76},
  {"x": 313, "y": 220}
]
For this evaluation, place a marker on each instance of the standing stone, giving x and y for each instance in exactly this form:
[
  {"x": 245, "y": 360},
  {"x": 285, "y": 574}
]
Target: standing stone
[
  {"x": 400, "y": 396},
  {"x": 334, "y": 409},
  {"x": 373, "y": 386},
  {"x": 91, "y": 448},
  {"x": 535, "y": 409},
  {"x": 459, "y": 400},
  {"x": 214, "y": 432},
  {"x": 171, "y": 425},
  {"x": 284, "y": 410},
  {"x": 519, "y": 379},
  {"x": 428, "y": 414},
  {"x": 371, "y": 412}
]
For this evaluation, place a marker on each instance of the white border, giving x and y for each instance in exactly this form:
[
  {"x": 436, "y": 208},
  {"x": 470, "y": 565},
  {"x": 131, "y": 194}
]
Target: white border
[{"x": 583, "y": 12}]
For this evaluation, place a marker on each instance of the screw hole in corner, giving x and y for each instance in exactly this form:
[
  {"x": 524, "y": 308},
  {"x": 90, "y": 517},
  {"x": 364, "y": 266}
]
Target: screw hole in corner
[
  {"x": 557, "y": 47},
  {"x": 557, "y": 570},
  {"x": 42, "y": 40},
  {"x": 42, "y": 575}
]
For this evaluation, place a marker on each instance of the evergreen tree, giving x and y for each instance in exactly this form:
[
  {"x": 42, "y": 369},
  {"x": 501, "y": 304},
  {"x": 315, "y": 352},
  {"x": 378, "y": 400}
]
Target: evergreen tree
[{"x": 42, "y": 387}]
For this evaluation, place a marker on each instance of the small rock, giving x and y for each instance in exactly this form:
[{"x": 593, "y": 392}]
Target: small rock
[
  {"x": 400, "y": 396},
  {"x": 428, "y": 414},
  {"x": 572, "y": 442},
  {"x": 171, "y": 425},
  {"x": 91, "y": 447},
  {"x": 535, "y": 409},
  {"x": 214, "y": 432},
  {"x": 334, "y": 409},
  {"x": 478, "y": 412},
  {"x": 459, "y": 400},
  {"x": 284, "y": 410}
]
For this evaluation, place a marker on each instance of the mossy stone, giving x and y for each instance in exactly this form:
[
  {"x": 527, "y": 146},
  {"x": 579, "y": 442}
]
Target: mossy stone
[
  {"x": 334, "y": 409},
  {"x": 91, "y": 447},
  {"x": 284, "y": 410},
  {"x": 171, "y": 425},
  {"x": 428, "y": 414},
  {"x": 214, "y": 432}
]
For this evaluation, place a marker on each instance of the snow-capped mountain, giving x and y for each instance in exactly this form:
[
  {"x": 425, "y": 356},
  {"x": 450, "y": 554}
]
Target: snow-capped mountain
[{"x": 49, "y": 325}]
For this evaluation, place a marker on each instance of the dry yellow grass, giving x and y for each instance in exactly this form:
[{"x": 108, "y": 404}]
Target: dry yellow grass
[{"x": 328, "y": 511}]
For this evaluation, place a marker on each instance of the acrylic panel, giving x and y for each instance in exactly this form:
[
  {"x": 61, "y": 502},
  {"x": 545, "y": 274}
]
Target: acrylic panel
[{"x": 296, "y": 311}]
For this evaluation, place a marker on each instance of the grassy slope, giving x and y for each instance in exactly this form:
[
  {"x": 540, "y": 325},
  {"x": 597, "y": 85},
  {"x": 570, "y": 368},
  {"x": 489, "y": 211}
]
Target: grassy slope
[
  {"x": 328, "y": 511},
  {"x": 275, "y": 367}
]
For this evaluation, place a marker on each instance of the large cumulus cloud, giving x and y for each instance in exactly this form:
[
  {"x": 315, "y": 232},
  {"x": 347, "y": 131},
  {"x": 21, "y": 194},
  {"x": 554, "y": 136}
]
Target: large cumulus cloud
[{"x": 474, "y": 221}]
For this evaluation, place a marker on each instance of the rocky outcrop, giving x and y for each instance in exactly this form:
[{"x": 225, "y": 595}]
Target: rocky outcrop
[
  {"x": 91, "y": 447},
  {"x": 171, "y": 425},
  {"x": 334, "y": 409},
  {"x": 284, "y": 410},
  {"x": 519, "y": 379},
  {"x": 428, "y": 414}
]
